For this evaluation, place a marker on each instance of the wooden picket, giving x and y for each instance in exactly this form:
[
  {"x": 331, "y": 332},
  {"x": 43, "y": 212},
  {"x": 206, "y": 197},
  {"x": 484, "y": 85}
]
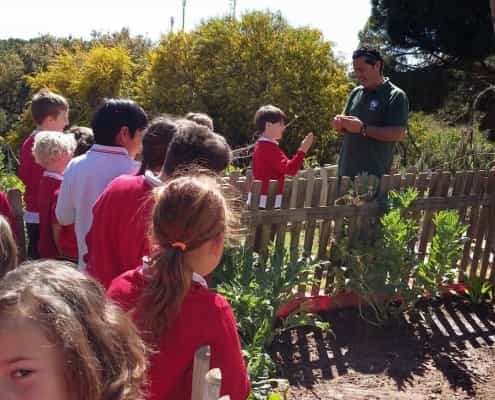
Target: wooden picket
[
  {"x": 319, "y": 212},
  {"x": 14, "y": 197}
]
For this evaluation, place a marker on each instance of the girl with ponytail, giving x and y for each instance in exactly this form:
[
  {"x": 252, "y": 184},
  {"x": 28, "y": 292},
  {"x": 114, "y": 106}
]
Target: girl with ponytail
[{"x": 169, "y": 299}]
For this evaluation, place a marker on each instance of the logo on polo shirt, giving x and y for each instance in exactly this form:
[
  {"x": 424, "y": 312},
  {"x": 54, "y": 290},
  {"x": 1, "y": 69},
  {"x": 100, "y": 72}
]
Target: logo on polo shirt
[{"x": 373, "y": 105}]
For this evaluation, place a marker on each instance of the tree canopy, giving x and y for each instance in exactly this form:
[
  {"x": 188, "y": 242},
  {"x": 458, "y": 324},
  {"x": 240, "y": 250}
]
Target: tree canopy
[
  {"x": 442, "y": 32},
  {"x": 225, "y": 67},
  {"x": 229, "y": 68}
]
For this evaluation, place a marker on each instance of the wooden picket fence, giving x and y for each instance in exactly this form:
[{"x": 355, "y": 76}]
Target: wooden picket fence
[{"x": 318, "y": 213}]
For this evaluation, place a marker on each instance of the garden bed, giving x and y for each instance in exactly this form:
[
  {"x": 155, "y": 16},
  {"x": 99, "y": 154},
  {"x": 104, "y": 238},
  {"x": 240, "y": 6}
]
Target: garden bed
[{"x": 444, "y": 352}]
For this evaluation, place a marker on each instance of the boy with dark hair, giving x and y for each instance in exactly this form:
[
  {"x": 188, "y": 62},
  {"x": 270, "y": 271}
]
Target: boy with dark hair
[
  {"x": 113, "y": 249},
  {"x": 118, "y": 126},
  {"x": 269, "y": 161},
  {"x": 50, "y": 113}
]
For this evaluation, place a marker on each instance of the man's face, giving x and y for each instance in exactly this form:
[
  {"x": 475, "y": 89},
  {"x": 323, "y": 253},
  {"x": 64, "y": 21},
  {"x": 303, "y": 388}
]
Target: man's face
[{"x": 366, "y": 74}]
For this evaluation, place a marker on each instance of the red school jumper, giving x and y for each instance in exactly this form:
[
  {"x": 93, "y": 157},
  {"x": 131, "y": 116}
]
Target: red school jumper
[
  {"x": 205, "y": 318},
  {"x": 67, "y": 240},
  {"x": 30, "y": 173},
  {"x": 118, "y": 237},
  {"x": 270, "y": 162},
  {"x": 47, "y": 199}
]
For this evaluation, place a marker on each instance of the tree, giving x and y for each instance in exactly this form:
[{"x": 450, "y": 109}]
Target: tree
[
  {"x": 20, "y": 58},
  {"x": 442, "y": 32},
  {"x": 84, "y": 77},
  {"x": 11, "y": 87},
  {"x": 229, "y": 68}
]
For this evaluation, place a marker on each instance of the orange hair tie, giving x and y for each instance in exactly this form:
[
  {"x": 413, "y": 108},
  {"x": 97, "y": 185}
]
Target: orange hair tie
[{"x": 179, "y": 245}]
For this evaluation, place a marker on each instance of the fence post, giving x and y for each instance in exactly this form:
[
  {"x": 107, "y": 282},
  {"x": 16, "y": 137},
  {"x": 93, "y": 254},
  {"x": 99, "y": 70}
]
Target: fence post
[
  {"x": 15, "y": 200},
  {"x": 490, "y": 213},
  {"x": 213, "y": 384},
  {"x": 200, "y": 369}
]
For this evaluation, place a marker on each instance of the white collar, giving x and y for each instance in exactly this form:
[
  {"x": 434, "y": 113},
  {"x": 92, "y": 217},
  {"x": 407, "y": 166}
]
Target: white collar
[
  {"x": 199, "y": 279},
  {"x": 99, "y": 148},
  {"x": 152, "y": 179},
  {"x": 53, "y": 175},
  {"x": 265, "y": 139}
]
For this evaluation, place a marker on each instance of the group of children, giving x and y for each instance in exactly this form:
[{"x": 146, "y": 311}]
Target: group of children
[{"x": 148, "y": 232}]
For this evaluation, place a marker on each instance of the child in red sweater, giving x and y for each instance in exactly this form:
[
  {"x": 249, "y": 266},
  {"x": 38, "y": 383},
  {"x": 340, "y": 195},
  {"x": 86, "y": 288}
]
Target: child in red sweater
[
  {"x": 168, "y": 298},
  {"x": 127, "y": 201},
  {"x": 53, "y": 151},
  {"x": 269, "y": 161},
  {"x": 50, "y": 113}
]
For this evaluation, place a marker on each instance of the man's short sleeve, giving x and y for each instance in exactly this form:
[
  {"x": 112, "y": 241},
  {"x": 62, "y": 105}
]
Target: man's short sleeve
[
  {"x": 398, "y": 109},
  {"x": 348, "y": 105}
]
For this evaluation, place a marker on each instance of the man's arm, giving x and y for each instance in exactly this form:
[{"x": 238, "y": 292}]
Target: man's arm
[
  {"x": 354, "y": 126},
  {"x": 386, "y": 133}
]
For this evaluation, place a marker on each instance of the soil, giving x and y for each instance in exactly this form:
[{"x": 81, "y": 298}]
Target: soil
[{"x": 443, "y": 351}]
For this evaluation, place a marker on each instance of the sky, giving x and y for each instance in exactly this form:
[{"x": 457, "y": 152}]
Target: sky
[{"x": 339, "y": 20}]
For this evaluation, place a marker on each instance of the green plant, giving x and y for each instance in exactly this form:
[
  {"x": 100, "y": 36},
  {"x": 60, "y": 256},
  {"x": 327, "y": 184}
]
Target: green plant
[
  {"x": 8, "y": 179},
  {"x": 438, "y": 146},
  {"x": 440, "y": 267},
  {"x": 478, "y": 289},
  {"x": 382, "y": 273},
  {"x": 256, "y": 289}
]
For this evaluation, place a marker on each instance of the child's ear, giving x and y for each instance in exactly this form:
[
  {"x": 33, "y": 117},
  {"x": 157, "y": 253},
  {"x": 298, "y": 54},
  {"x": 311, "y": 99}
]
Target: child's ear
[{"x": 122, "y": 136}]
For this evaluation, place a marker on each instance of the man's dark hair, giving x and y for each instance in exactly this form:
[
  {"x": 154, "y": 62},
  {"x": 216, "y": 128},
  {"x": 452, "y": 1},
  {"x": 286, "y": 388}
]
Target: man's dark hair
[
  {"x": 156, "y": 140},
  {"x": 371, "y": 56},
  {"x": 47, "y": 104},
  {"x": 196, "y": 145},
  {"x": 266, "y": 114},
  {"x": 112, "y": 115}
]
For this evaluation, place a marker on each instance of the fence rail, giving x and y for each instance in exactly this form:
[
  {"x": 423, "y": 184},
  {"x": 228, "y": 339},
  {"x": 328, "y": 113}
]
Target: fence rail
[{"x": 319, "y": 211}]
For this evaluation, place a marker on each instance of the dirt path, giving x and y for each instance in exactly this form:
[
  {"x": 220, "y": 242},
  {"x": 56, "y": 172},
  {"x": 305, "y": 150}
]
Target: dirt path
[{"x": 447, "y": 352}]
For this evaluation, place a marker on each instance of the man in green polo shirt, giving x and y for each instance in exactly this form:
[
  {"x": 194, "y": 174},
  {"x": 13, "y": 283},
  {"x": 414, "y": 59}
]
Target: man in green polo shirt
[{"x": 374, "y": 119}]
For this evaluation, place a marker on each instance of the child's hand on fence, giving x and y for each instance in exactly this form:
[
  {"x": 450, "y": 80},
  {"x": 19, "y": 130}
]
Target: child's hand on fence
[{"x": 307, "y": 142}]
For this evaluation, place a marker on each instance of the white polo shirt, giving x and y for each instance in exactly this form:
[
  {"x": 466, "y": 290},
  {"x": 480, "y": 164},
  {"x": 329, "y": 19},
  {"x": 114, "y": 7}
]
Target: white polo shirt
[{"x": 85, "y": 179}]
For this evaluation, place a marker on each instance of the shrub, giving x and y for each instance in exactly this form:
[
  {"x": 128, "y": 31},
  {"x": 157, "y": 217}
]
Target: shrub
[
  {"x": 229, "y": 68},
  {"x": 438, "y": 146}
]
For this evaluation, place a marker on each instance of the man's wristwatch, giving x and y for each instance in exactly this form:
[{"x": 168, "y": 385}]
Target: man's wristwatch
[{"x": 363, "y": 130}]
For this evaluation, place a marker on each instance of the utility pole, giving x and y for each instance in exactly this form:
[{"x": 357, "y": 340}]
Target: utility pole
[
  {"x": 172, "y": 22},
  {"x": 233, "y": 5},
  {"x": 183, "y": 13}
]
